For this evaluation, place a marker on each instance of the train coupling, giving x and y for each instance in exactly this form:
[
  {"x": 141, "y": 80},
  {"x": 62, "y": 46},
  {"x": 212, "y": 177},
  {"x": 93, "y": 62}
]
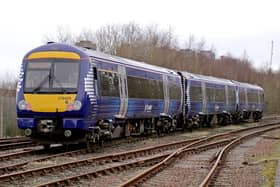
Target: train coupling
[{"x": 46, "y": 125}]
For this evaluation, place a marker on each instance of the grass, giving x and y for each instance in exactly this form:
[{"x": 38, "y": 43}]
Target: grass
[
  {"x": 269, "y": 172},
  {"x": 270, "y": 166},
  {"x": 13, "y": 130}
]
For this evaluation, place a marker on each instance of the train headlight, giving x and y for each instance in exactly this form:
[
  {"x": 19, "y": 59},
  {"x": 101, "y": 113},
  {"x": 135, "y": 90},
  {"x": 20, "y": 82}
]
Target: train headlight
[
  {"x": 77, "y": 105},
  {"x": 27, "y": 132},
  {"x": 23, "y": 105},
  {"x": 67, "y": 133}
]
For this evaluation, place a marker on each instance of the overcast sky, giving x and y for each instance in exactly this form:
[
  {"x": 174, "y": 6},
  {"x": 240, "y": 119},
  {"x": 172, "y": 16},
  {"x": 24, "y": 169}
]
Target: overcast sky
[{"x": 230, "y": 25}]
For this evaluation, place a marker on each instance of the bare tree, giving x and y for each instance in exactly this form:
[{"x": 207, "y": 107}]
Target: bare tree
[
  {"x": 160, "y": 47},
  {"x": 86, "y": 35},
  {"x": 191, "y": 42},
  {"x": 201, "y": 44},
  {"x": 108, "y": 38},
  {"x": 63, "y": 35}
]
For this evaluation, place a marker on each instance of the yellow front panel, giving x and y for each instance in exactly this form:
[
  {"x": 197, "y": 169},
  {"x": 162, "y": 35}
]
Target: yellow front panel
[
  {"x": 54, "y": 54},
  {"x": 48, "y": 102}
]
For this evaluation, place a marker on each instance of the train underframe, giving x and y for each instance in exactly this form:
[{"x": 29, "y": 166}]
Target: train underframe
[
  {"x": 207, "y": 120},
  {"x": 107, "y": 129},
  {"x": 47, "y": 133}
]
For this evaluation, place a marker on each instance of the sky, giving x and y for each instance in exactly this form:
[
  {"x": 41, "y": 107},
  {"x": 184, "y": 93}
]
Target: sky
[{"x": 231, "y": 26}]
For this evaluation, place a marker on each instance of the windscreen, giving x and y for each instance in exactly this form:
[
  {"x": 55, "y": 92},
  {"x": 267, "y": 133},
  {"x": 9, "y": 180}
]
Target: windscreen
[{"x": 51, "y": 76}]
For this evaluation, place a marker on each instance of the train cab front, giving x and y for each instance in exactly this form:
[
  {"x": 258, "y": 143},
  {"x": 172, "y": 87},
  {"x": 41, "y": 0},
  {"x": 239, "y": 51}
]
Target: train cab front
[{"x": 49, "y": 103}]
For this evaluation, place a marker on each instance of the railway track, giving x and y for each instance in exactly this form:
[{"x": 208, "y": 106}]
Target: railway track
[
  {"x": 101, "y": 165},
  {"x": 110, "y": 158},
  {"x": 221, "y": 157},
  {"x": 18, "y": 154},
  {"x": 116, "y": 162},
  {"x": 136, "y": 180},
  {"x": 22, "y": 142},
  {"x": 14, "y": 143},
  {"x": 17, "y": 166},
  {"x": 13, "y": 140},
  {"x": 18, "y": 159}
]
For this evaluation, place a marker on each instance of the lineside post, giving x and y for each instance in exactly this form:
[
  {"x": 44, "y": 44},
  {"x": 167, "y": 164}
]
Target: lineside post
[{"x": 1, "y": 116}]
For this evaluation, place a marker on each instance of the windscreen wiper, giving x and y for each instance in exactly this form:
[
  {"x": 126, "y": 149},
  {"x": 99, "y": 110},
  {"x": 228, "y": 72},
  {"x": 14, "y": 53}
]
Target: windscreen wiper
[{"x": 48, "y": 77}]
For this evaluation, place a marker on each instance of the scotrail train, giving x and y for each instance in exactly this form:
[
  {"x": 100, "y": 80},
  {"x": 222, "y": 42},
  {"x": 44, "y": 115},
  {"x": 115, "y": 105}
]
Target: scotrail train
[{"x": 68, "y": 94}]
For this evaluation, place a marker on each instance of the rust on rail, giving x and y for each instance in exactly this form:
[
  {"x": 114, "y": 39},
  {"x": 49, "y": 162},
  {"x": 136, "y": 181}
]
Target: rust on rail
[{"x": 221, "y": 157}]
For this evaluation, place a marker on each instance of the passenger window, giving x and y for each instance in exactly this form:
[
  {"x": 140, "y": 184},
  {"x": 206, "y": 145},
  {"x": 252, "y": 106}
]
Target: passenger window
[
  {"x": 231, "y": 96},
  {"x": 196, "y": 94},
  {"x": 242, "y": 96},
  {"x": 144, "y": 88},
  {"x": 174, "y": 92},
  {"x": 220, "y": 95},
  {"x": 109, "y": 84},
  {"x": 210, "y": 93},
  {"x": 253, "y": 97},
  {"x": 215, "y": 94}
]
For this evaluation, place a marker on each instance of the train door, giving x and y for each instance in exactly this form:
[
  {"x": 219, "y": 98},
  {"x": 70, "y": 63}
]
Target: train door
[
  {"x": 166, "y": 94},
  {"x": 259, "y": 97},
  {"x": 227, "y": 98},
  {"x": 246, "y": 98},
  {"x": 184, "y": 97},
  {"x": 237, "y": 89},
  {"x": 123, "y": 91},
  {"x": 204, "y": 98}
]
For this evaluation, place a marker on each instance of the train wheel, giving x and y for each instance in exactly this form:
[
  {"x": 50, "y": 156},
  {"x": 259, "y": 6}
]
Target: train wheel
[
  {"x": 256, "y": 116},
  {"x": 208, "y": 120},
  {"x": 222, "y": 120}
]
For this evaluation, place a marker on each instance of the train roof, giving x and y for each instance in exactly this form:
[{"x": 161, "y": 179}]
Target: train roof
[
  {"x": 83, "y": 52},
  {"x": 129, "y": 62},
  {"x": 208, "y": 79},
  {"x": 215, "y": 80},
  {"x": 247, "y": 85}
]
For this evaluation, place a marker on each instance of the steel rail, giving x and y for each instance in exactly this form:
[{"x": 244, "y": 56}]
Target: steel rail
[
  {"x": 225, "y": 151},
  {"x": 17, "y": 166},
  {"x": 142, "y": 162},
  {"x": 100, "y": 159},
  {"x": 17, "y": 145},
  {"x": 156, "y": 168},
  {"x": 11, "y": 140}
]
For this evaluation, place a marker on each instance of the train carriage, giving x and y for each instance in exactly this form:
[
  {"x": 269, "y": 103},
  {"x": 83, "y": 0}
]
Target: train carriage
[
  {"x": 209, "y": 97},
  {"x": 71, "y": 94},
  {"x": 68, "y": 94},
  {"x": 250, "y": 101},
  {"x": 145, "y": 93}
]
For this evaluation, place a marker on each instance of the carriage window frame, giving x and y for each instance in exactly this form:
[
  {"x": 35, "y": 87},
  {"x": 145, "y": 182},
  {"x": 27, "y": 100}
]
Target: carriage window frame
[
  {"x": 220, "y": 95},
  {"x": 253, "y": 97},
  {"x": 242, "y": 95},
  {"x": 144, "y": 88},
  {"x": 210, "y": 94},
  {"x": 231, "y": 95},
  {"x": 196, "y": 93},
  {"x": 174, "y": 92},
  {"x": 112, "y": 84},
  {"x": 216, "y": 94}
]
